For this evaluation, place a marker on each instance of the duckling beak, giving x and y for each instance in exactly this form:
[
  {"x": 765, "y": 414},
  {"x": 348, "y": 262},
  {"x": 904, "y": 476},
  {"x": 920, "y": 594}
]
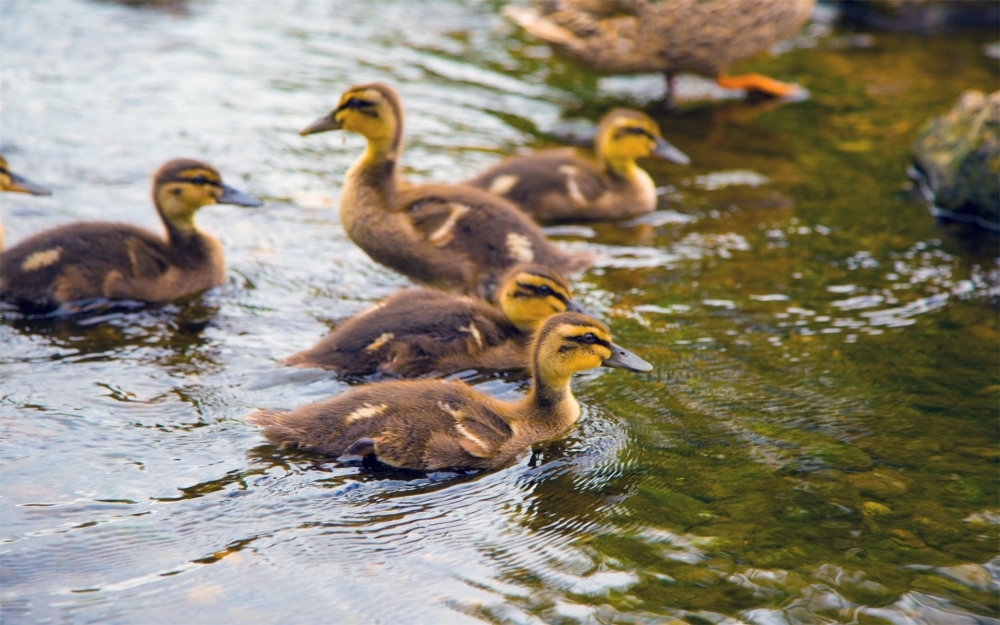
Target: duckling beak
[
  {"x": 572, "y": 306},
  {"x": 323, "y": 124},
  {"x": 669, "y": 152},
  {"x": 21, "y": 185},
  {"x": 239, "y": 198},
  {"x": 621, "y": 358}
]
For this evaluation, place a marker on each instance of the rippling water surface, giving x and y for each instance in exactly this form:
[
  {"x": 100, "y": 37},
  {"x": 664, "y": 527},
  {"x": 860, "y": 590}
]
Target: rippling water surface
[{"x": 817, "y": 442}]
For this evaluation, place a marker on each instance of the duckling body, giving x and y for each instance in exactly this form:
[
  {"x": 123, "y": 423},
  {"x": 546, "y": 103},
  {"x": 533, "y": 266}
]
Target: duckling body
[
  {"x": 634, "y": 36},
  {"x": 85, "y": 261},
  {"x": 424, "y": 331},
  {"x": 450, "y": 236},
  {"x": 559, "y": 185},
  {"x": 430, "y": 425}
]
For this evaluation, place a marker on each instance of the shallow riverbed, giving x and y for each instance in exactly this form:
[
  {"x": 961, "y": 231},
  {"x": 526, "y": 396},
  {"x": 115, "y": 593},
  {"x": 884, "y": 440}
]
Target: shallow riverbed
[{"x": 817, "y": 442}]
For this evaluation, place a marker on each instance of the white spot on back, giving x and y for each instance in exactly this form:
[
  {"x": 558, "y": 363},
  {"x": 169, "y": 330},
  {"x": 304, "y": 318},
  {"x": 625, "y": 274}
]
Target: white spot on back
[
  {"x": 365, "y": 412},
  {"x": 469, "y": 435},
  {"x": 455, "y": 414},
  {"x": 519, "y": 248},
  {"x": 443, "y": 235},
  {"x": 572, "y": 187},
  {"x": 41, "y": 259},
  {"x": 380, "y": 341},
  {"x": 474, "y": 331},
  {"x": 502, "y": 184}
]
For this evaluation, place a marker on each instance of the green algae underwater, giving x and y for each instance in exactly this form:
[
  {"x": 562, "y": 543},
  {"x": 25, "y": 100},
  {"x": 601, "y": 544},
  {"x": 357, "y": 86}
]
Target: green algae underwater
[{"x": 818, "y": 441}]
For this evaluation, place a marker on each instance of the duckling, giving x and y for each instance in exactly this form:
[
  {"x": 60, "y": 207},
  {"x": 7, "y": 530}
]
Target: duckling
[
  {"x": 436, "y": 424},
  {"x": 422, "y": 331},
  {"x": 451, "y": 236},
  {"x": 89, "y": 260},
  {"x": 558, "y": 185},
  {"x": 700, "y": 36},
  {"x": 9, "y": 181}
]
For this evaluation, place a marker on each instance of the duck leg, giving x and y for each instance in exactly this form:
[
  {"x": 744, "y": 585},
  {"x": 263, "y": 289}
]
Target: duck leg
[
  {"x": 757, "y": 82},
  {"x": 668, "y": 97}
]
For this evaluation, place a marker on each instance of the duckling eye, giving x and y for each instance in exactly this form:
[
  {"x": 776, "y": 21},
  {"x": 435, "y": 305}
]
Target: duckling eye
[
  {"x": 589, "y": 338},
  {"x": 545, "y": 290},
  {"x": 199, "y": 180}
]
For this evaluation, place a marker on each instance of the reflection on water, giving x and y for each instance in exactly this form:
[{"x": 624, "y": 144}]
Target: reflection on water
[{"x": 817, "y": 442}]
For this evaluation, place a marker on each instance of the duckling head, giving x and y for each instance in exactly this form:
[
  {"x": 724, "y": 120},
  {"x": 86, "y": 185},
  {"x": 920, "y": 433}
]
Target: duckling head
[
  {"x": 373, "y": 111},
  {"x": 530, "y": 294},
  {"x": 572, "y": 342},
  {"x": 625, "y": 135},
  {"x": 9, "y": 181},
  {"x": 182, "y": 186}
]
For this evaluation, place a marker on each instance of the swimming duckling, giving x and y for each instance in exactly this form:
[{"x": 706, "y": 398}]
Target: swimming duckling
[
  {"x": 88, "y": 260},
  {"x": 436, "y": 424},
  {"x": 636, "y": 36},
  {"x": 421, "y": 331},
  {"x": 451, "y": 236},
  {"x": 559, "y": 185},
  {"x": 9, "y": 181}
]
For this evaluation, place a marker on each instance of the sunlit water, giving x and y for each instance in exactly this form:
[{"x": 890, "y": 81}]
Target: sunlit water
[{"x": 817, "y": 443}]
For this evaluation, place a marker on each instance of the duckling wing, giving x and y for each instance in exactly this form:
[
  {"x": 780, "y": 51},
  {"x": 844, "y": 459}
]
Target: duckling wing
[
  {"x": 549, "y": 186},
  {"x": 408, "y": 335},
  {"x": 424, "y": 425},
  {"x": 488, "y": 232},
  {"x": 78, "y": 262}
]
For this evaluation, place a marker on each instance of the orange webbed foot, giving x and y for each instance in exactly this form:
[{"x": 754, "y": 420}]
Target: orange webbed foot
[{"x": 759, "y": 83}]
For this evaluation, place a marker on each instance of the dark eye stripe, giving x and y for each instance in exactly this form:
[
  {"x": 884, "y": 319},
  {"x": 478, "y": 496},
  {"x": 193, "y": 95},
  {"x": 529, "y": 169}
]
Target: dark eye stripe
[
  {"x": 598, "y": 341},
  {"x": 537, "y": 291},
  {"x": 635, "y": 131},
  {"x": 200, "y": 180}
]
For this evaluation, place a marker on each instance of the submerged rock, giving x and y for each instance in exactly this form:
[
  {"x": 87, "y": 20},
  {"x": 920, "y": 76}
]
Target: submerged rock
[
  {"x": 923, "y": 16},
  {"x": 959, "y": 154}
]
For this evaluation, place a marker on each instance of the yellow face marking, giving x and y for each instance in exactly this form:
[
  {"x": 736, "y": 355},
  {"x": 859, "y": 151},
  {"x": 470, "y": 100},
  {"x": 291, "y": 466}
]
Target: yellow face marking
[
  {"x": 210, "y": 175},
  {"x": 380, "y": 341},
  {"x": 502, "y": 184},
  {"x": 519, "y": 248},
  {"x": 445, "y": 233},
  {"x": 41, "y": 259},
  {"x": 474, "y": 331},
  {"x": 365, "y": 412}
]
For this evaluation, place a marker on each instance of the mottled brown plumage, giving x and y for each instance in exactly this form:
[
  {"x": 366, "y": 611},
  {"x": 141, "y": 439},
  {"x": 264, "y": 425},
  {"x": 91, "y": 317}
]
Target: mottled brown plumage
[
  {"x": 420, "y": 332},
  {"x": 635, "y": 36},
  {"x": 559, "y": 185},
  {"x": 450, "y": 236},
  {"x": 86, "y": 261},
  {"x": 429, "y": 425}
]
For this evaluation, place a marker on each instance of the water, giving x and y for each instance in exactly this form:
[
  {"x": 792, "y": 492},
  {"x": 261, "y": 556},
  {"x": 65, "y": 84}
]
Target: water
[{"x": 817, "y": 443}]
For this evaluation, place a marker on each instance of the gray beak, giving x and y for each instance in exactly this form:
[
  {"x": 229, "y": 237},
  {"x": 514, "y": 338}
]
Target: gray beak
[
  {"x": 572, "y": 306},
  {"x": 21, "y": 185},
  {"x": 621, "y": 358},
  {"x": 669, "y": 152},
  {"x": 323, "y": 124},
  {"x": 239, "y": 198}
]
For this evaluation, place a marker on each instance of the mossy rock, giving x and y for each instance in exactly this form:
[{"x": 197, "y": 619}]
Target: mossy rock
[{"x": 959, "y": 153}]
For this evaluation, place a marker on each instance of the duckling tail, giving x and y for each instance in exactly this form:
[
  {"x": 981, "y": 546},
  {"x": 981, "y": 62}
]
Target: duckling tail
[{"x": 265, "y": 418}]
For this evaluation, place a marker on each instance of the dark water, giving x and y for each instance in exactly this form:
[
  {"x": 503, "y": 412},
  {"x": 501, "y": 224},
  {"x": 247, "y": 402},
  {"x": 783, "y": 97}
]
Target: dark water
[{"x": 818, "y": 442}]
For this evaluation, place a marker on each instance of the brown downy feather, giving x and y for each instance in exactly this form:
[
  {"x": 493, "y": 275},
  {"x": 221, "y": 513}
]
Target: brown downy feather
[{"x": 435, "y": 424}]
